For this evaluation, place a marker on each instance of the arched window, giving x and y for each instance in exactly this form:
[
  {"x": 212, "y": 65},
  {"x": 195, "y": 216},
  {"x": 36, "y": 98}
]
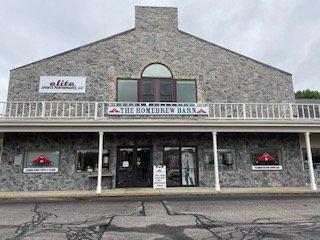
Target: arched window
[
  {"x": 157, "y": 70},
  {"x": 156, "y": 85}
]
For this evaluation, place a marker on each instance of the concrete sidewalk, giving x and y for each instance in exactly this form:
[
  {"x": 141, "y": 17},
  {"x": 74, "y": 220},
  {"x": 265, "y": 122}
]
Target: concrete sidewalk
[{"x": 134, "y": 192}]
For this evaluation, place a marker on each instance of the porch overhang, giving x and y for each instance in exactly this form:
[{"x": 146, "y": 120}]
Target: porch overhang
[{"x": 158, "y": 125}]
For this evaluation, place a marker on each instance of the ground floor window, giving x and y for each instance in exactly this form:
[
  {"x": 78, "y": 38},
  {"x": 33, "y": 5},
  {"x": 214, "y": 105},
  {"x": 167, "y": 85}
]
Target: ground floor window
[
  {"x": 41, "y": 161},
  {"x": 181, "y": 166},
  {"x": 87, "y": 160},
  {"x": 315, "y": 158},
  {"x": 266, "y": 159},
  {"x": 226, "y": 159}
]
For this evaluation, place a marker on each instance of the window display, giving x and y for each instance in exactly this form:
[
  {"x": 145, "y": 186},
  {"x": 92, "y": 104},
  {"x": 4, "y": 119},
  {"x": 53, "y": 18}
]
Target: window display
[
  {"x": 41, "y": 161},
  {"x": 226, "y": 159},
  {"x": 315, "y": 158},
  {"x": 188, "y": 166},
  {"x": 180, "y": 165},
  {"x": 87, "y": 160},
  {"x": 268, "y": 159}
]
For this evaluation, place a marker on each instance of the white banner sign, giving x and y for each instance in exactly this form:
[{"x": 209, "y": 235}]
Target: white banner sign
[
  {"x": 267, "y": 167},
  {"x": 158, "y": 110},
  {"x": 62, "y": 84},
  {"x": 40, "y": 170},
  {"x": 159, "y": 177}
]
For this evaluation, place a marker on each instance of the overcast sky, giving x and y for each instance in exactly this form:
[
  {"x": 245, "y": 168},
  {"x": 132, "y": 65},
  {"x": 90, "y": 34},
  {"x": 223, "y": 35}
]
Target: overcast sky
[{"x": 283, "y": 34}]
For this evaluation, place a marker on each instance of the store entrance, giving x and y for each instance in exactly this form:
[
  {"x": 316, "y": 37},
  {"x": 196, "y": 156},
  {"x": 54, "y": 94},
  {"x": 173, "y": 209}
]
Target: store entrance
[{"x": 134, "y": 167}]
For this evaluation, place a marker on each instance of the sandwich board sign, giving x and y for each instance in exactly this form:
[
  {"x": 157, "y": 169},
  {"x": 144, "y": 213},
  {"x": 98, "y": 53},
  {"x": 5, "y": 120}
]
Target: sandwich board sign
[{"x": 159, "y": 177}]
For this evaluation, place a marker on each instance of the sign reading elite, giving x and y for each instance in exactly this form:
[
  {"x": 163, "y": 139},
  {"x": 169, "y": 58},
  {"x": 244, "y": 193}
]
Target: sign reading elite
[
  {"x": 158, "y": 110},
  {"x": 62, "y": 84}
]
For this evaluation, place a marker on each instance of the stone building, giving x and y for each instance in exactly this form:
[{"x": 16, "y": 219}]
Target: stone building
[{"x": 103, "y": 114}]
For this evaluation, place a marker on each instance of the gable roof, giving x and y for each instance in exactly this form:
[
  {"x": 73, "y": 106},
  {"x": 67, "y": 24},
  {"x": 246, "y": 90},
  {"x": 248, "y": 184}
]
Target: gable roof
[{"x": 130, "y": 30}]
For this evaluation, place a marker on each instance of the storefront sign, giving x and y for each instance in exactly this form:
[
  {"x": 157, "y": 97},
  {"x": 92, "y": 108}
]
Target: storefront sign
[
  {"x": 267, "y": 167},
  {"x": 158, "y": 110},
  {"x": 62, "y": 84},
  {"x": 45, "y": 162},
  {"x": 40, "y": 170},
  {"x": 266, "y": 159},
  {"x": 159, "y": 177}
]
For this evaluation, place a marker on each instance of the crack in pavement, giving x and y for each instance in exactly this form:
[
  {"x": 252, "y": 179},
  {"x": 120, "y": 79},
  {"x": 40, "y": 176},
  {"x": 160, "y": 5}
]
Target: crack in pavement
[
  {"x": 260, "y": 228},
  {"x": 95, "y": 228}
]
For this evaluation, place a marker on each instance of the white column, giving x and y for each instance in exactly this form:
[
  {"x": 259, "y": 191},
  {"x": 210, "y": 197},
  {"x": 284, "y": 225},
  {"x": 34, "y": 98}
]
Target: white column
[
  {"x": 216, "y": 164},
  {"x": 310, "y": 162},
  {"x": 99, "y": 179}
]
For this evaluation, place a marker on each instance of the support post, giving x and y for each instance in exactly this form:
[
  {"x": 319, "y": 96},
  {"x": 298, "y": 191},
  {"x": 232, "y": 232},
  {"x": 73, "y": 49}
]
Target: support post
[
  {"x": 215, "y": 158},
  {"x": 310, "y": 162},
  {"x": 99, "y": 179}
]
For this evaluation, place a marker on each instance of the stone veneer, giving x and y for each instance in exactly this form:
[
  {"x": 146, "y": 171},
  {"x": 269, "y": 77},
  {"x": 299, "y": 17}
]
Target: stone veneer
[
  {"x": 221, "y": 75},
  {"x": 12, "y": 178}
]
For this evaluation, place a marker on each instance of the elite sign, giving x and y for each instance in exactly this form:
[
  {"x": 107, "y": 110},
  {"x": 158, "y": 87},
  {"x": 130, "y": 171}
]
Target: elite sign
[
  {"x": 62, "y": 84},
  {"x": 158, "y": 110}
]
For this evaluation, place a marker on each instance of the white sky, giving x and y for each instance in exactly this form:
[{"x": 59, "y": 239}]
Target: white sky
[{"x": 282, "y": 33}]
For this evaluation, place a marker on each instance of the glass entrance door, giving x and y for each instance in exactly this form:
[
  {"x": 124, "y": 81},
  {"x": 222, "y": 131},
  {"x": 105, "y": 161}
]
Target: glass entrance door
[
  {"x": 133, "y": 167},
  {"x": 181, "y": 166}
]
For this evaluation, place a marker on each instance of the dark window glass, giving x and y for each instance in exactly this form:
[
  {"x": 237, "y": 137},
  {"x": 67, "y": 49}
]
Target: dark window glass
[
  {"x": 148, "y": 90},
  {"x": 166, "y": 90},
  {"x": 186, "y": 91},
  {"x": 315, "y": 158},
  {"x": 87, "y": 160},
  {"x": 127, "y": 90},
  {"x": 171, "y": 159}
]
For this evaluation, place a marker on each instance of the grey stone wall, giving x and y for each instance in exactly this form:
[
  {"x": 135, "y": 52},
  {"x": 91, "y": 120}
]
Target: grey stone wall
[
  {"x": 12, "y": 178},
  {"x": 221, "y": 75}
]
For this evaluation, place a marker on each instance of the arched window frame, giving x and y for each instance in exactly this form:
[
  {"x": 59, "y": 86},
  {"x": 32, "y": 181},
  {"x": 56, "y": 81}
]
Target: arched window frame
[
  {"x": 164, "y": 67},
  {"x": 158, "y": 83}
]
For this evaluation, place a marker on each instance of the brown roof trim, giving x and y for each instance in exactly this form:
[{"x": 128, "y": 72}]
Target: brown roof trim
[
  {"x": 264, "y": 64},
  {"x": 86, "y": 45}
]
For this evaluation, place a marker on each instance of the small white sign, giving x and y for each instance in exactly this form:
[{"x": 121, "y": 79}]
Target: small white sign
[
  {"x": 40, "y": 170},
  {"x": 159, "y": 110},
  {"x": 267, "y": 167},
  {"x": 125, "y": 164},
  {"x": 159, "y": 177},
  {"x": 62, "y": 84}
]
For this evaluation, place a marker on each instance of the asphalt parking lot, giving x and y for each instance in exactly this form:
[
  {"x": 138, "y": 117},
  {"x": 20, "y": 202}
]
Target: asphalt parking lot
[{"x": 196, "y": 217}]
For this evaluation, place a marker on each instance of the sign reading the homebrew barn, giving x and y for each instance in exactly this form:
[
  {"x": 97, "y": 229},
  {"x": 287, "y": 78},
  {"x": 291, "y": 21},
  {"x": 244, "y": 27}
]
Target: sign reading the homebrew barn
[
  {"x": 158, "y": 110},
  {"x": 62, "y": 84},
  {"x": 159, "y": 177}
]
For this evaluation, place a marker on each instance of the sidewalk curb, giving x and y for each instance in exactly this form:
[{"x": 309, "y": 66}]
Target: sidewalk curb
[{"x": 86, "y": 194}]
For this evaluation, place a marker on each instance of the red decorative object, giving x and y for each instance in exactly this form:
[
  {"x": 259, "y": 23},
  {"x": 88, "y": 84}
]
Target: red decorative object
[
  {"x": 201, "y": 111},
  {"x": 41, "y": 161},
  {"x": 266, "y": 158},
  {"x": 114, "y": 110}
]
